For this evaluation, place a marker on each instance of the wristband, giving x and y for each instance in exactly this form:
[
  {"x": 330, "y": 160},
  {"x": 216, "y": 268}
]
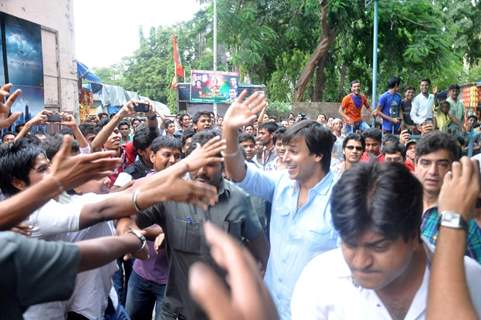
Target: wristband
[
  {"x": 231, "y": 155},
  {"x": 139, "y": 236},
  {"x": 134, "y": 201}
]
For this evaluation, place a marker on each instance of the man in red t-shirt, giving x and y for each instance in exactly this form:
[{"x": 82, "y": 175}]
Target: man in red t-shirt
[{"x": 351, "y": 107}]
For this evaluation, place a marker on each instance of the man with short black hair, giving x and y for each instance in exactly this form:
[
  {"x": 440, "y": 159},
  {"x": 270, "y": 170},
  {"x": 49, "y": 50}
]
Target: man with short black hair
[
  {"x": 169, "y": 127},
  {"x": 423, "y": 103},
  {"x": 389, "y": 107},
  {"x": 456, "y": 106},
  {"x": 202, "y": 121},
  {"x": 124, "y": 128},
  {"x": 142, "y": 140},
  {"x": 300, "y": 225},
  {"x": 182, "y": 225},
  {"x": 8, "y": 137},
  {"x": 269, "y": 155},
  {"x": 382, "y": 269},
  {"x": 248, "y": 144},
  {"x": 351, "y": 107},
  {"x": 435, "y": 154},
  {"x": 406, "y": 107},
  {"x": 373, "y": 140},
  {"x": 394, "y": 152},
  {"x": 352, "y": 147}
]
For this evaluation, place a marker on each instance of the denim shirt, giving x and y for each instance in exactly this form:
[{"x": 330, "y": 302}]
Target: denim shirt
[{"x": 296, "y": 234}]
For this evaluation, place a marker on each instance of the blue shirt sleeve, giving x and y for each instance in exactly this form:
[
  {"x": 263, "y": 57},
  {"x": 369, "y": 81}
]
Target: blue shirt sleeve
[{"x": 258, "y": 183}]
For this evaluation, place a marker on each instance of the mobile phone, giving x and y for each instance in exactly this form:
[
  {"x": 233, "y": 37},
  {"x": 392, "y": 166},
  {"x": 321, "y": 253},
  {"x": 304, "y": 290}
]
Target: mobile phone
[
  {"x": 122, "y": 179},
  {"x": 54, "y": 117},
  {"x": 141, "y": 107}
]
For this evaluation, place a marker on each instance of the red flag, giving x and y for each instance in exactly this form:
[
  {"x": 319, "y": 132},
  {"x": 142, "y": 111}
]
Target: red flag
[{"x": 179, "y": 70}]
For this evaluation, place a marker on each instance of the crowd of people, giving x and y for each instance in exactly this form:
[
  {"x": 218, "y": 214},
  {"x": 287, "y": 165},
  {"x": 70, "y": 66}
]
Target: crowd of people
[{"x": 371, "y": 213}]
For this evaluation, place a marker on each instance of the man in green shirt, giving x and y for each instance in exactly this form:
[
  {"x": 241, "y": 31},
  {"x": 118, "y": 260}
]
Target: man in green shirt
[{"x": 456, "y": 108}]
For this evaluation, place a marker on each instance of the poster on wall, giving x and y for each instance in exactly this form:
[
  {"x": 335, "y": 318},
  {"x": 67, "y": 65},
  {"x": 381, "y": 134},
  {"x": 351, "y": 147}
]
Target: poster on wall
[
  {"x": 23, "y": 46},
  {"x": 2, "y": 70},
  {"x": 213, "y": 86}
]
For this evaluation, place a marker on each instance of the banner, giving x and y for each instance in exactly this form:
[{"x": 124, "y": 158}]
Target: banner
[
  {"x": 23, "y": 45},
  {"x": 210, "y": 86}
]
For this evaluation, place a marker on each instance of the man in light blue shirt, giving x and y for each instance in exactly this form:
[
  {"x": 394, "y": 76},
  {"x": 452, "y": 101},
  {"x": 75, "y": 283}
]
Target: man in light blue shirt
[{"x": 301, "y": 223}]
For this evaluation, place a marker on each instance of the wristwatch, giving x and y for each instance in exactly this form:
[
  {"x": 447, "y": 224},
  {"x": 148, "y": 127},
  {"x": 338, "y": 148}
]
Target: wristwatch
[
  {"x": 452, "y": 219},
  {"x": 139, "y": 236}
]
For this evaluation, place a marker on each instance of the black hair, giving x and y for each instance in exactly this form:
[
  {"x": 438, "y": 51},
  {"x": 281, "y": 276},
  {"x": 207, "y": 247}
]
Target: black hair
[
  {"x": 19, "y": 127},
  {"x": 6, "y": 133},
  {"x": 199, "y": 114},
  {"x": 100, "y": 114},
  {"x": 271, "y": 127},
  {"x": 389, "y": 138},
  {"x": 166, "y": 142},
  {"x": 52, "y": 144},
  {"x": 246, "y": 137},
  {"x": 167, "y": 122},
  {"x": 143, "y": 138},
  {"x": 383, "y": 198},
  {"x": 319, "y": 140},
  {"x": 392, "y": 148},
  {"x": 66, "y": 130},
  {"x": 434, "y": 141},
  {"x": 409, "y": 88},
  {"x": 444, "y": 103},
  {"x": 373, "y": 133},
  {"x": 186, "y": 134},
  {"x": 87, "y": 128},
  {"x": 393, "y": 82},
  {"x": 353, "y": 82},
  {"x": 425, "y": 80},
  {"x": 102, "y": 123},
  {"x": 16, "y": 161},
  {"x": 201, "y": 138},
  {"x": 355, "y": 137},
  {"x": 278, "y": 134},
  {"x": 182, "y": 115},
  {"x": 454, "y": 87},
  {"x": 123, "y": 123},
  {"x": 134, "y": 119}
]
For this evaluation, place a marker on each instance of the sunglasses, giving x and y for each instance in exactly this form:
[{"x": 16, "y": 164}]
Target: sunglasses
[{"x": 353, "y": 147}]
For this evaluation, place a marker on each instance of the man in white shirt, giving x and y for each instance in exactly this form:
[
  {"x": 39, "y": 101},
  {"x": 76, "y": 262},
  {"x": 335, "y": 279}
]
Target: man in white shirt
[
  {"x": 422, "y": 106},
  {"x": 381, "y": 270}
]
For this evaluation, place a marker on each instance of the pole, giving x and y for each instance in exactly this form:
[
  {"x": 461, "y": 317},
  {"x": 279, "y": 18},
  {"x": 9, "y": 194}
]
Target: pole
[
  {"x": 374, "y": 56},
  {"x": 215, "y": 52}
]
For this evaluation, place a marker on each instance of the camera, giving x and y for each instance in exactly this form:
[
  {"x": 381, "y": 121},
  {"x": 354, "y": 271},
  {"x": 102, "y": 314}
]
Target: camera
[
  {"x": 141, "y": 107},
  {"x": 54, "y": 117}
]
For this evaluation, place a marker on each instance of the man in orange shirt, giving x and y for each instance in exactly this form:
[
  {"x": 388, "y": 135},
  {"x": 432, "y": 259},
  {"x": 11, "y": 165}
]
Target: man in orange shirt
[{"x": 351, "y": 107}]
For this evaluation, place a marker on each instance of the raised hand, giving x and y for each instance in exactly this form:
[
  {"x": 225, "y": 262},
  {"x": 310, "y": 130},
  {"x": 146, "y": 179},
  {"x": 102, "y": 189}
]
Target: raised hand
[
  {"x": 209, "y": 153},
  {"x": 71, "y": 171},
  {"x": 461, "y": 188},
  {"x": 39, "y": 118},
  {"x": 5, "y": 91},
  {"x": 159, "y": 188},
  {"x": 244, "y": 110},
  {"x": 248, "y": 297}
]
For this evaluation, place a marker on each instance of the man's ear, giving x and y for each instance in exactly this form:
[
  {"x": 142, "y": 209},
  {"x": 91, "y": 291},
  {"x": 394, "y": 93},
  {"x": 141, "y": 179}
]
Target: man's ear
[
  {"x": 19, "y": 184},
  {"x": 318, "y": 157}
]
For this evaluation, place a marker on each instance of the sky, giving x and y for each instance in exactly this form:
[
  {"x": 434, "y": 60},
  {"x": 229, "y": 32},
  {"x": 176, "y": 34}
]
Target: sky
[{"x": 107, "y": 30}]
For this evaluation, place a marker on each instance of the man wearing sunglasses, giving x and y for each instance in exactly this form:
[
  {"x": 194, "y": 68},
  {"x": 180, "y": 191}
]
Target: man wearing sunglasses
[
  {"x": 353, "y": 147},
  {"x": 435, "y": 153}
]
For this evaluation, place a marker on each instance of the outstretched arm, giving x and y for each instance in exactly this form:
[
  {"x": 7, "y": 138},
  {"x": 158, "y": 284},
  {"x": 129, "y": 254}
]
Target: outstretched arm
[{"x": 242, "y": 112}]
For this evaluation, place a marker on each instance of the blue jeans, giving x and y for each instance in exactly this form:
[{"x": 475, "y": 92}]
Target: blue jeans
[
  {"x": 142, "y": 295},
  {"x": 361, "y": 125}
]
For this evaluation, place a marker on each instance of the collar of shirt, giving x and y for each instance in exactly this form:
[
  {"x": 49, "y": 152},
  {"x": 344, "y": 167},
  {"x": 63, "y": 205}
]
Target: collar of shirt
[{"x": 326, "y": 290}]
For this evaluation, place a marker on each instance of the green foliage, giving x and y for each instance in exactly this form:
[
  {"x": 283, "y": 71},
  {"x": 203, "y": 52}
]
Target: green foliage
[{"x": 270, "y": 41}]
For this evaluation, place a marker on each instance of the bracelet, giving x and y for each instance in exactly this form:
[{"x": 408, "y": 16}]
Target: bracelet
[
  {"x": 134, "y": 201},
  {"x": 59, "y": 184},
  {"x": 139, "y": 236},
  {"x": 231, "y": 155}
]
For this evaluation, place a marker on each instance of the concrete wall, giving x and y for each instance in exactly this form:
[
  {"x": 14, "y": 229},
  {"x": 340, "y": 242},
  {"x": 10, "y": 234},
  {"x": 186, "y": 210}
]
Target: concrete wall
[
  {"x": 313, "y": 109},
  {"x": 58, "y": 46}
]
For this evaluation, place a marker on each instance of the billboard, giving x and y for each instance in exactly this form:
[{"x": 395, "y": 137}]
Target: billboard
[
  {"x": 213, "y": 86},
  {"x": 24, "y": 65}
]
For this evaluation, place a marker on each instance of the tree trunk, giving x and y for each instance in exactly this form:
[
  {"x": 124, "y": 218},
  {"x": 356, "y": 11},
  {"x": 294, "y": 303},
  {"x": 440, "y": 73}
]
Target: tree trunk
[
  {"x": 328, "y": 37},
  {"x": 342, "y": 81},
  {"x": 318, "y": 91}
]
